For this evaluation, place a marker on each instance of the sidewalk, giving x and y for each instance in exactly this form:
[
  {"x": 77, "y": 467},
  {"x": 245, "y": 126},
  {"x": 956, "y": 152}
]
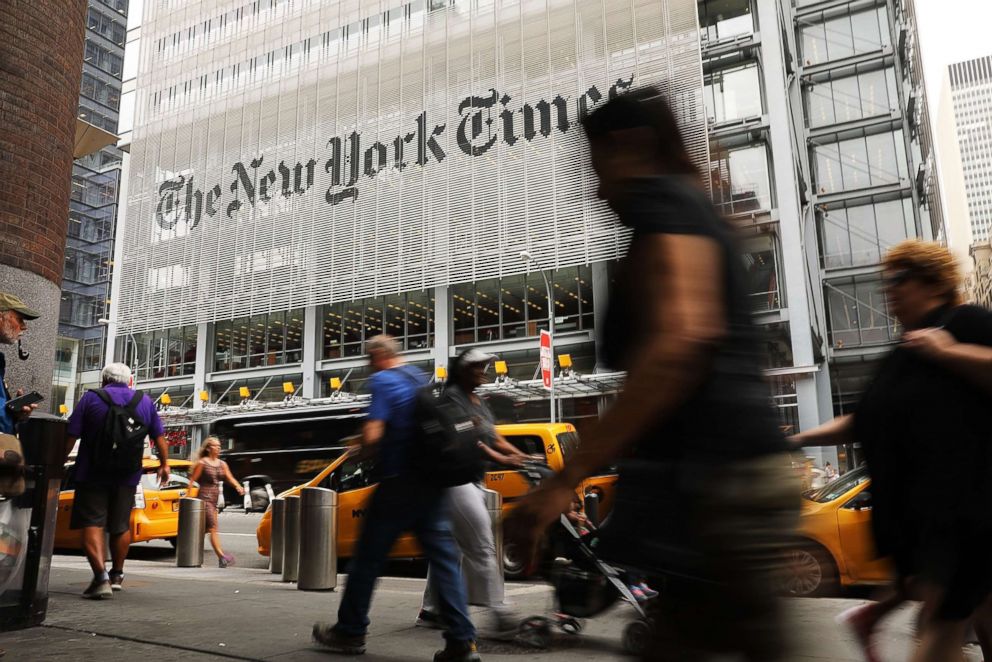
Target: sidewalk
[{"x": 208, "y": 614}]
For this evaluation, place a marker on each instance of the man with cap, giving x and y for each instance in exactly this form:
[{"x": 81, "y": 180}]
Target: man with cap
[
  {"x": 403, "y": 501},
  {"x": 470, "y": 521},
  {"x": 13, "y": 315}
]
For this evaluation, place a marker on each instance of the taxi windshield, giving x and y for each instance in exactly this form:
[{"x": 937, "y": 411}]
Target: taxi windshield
[
  {"x": 839, "y": 487},
  {"x": 178, "y": 479}
]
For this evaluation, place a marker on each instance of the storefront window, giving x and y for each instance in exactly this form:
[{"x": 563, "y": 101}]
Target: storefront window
[{"x": 733, "y": 93}]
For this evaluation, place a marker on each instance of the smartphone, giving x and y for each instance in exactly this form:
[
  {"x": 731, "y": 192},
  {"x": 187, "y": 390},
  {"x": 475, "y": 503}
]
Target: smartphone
[{"x": 15, "y": 405}]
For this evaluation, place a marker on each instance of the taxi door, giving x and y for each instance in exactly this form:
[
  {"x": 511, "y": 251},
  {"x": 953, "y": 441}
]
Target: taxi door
[{"x": 856, "y": 540}]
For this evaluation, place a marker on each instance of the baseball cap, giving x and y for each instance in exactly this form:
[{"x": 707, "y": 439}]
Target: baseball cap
[
  {"x": 474, "y": 355},
  {"x": 10, "y": 301},
  {"x": 11, "y": 466}
]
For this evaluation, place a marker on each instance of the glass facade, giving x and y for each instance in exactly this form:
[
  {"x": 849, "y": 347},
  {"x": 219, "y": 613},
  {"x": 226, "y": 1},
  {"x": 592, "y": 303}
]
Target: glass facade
[
  {"x": 845, "y": 36},
  {"x": 260, "y": 340},
  {"x": 739, "y": 179},
  {"x": 517, "y": 307},
  {"x": 158, "y": 354},
  {"x": 733, "y": 93},
  {"x": 850, "y": 98},
  {"x": 859, "y": 235},
  {"x": 857, "y": 313},
  {"x": 761, "y": 273},
  {"x": 408, "y": 317},
  {"x": 722, "y": 19},
  {"x": 860, "y": 163}
]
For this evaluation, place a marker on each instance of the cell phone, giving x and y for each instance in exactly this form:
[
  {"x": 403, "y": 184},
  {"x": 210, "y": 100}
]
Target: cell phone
[{"x": 15, "y": 405}]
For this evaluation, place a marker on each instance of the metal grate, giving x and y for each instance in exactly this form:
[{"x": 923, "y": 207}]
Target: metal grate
[{"x": 216, "y": 229}]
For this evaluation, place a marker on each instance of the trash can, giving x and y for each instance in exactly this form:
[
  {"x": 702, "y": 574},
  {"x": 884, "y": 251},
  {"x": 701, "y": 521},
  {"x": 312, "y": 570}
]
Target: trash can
[
  {"x": 275, "y": 535},
  {"x": 494, "y": 504},
  {"x": 192, "y": 527},
  {"x": 27, "y": 524},
  {"x": 291, "y": 540},
  {"x": 318, "y": 569}
]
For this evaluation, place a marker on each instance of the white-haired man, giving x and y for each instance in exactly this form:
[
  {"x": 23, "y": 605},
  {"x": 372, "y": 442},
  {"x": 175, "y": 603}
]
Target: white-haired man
[{"x": 104, "y": 497}]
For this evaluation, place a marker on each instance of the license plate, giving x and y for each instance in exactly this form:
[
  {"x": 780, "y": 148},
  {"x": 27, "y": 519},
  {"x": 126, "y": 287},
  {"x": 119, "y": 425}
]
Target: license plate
[{"x": 175, "y": 506}]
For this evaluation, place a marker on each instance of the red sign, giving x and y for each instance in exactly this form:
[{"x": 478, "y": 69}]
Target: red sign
[{"x": 546, "y": 365}]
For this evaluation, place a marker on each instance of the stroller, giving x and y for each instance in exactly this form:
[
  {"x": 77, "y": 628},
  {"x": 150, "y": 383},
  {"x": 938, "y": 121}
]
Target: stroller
[{"x": 585, "y": 586}]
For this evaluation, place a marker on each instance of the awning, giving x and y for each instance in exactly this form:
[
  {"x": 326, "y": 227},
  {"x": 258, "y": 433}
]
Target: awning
[{"x": 90, "y": 138}]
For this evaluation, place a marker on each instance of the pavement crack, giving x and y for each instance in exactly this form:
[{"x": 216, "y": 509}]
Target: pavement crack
[{"x": 149, "y": 642}]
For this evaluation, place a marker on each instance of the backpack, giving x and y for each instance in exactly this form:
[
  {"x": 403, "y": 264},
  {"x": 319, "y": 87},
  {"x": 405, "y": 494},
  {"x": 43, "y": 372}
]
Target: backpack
[
  {"x": 119, "y": 449},
  {"x": 445, "y": 449}
]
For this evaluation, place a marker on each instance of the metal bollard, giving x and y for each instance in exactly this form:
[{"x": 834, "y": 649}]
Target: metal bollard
[
  {"x": 192, "y": 527},
  {"x": 275, "y": 535},
  {"x": 494, "y": 504},
  {"x": 318, "y": 569},
  {"x": 591, "y": 506},
  {"x": 291, "y": 540}
]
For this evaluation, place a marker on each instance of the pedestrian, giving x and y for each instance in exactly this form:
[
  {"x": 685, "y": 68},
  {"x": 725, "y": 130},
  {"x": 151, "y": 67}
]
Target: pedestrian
[
  {"x": 209, "y": 473},
  {"x": 830, "y": 472},
  {"x": 706, "y": 494},
  {"x": 14, "y": 314},
  {"x": 470, "y": 520},
  {"x": 104, "y": 494},
  {"x": 923, "y": 426},
  {"x": 403, "y": 501}
]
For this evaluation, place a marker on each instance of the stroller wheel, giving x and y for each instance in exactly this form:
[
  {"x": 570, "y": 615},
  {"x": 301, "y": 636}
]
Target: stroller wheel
[
  {"x": 570, "y": 625},
  {"x": 636, "y": 637},
  {"x": 536, "y": 632}
]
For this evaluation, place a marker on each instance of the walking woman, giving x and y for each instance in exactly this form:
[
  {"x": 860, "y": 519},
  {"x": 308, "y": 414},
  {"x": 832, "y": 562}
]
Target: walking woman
[
  {"x": 211, "y": 472},
  {"x": 923, "y": 424},
  {"x": 470, "y": 522}
]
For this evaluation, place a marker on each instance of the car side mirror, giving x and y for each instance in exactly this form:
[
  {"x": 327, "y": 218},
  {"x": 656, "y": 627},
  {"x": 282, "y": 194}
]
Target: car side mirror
[{"x": 860, "y": 502}]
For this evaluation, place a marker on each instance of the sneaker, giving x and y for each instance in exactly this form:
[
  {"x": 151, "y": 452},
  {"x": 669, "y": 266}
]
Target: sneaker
[
  {"x": 117, "y": 580},
  {"x": 458, "y": 651},
  {"x": 225, "y": 561},
  {"x": 428, "y": 619},
  {"x": 99, "y": 589},
  {"x": 346, "y": 644},
  {"x": 648, "y": 592}
]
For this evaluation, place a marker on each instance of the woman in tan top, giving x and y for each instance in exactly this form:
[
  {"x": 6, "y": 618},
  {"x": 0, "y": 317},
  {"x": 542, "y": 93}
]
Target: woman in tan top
[{"x": 210, "y": 472}]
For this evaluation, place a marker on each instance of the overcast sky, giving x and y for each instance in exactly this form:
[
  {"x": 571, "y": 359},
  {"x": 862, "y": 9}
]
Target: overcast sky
[{"x": 951, "y": 31}]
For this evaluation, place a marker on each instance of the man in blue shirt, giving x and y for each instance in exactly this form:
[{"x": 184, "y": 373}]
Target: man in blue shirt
[
  {"x": 402, "y": 502},
  {"x": 103, "y": 499},
  {"x": 13, "y": 315}
]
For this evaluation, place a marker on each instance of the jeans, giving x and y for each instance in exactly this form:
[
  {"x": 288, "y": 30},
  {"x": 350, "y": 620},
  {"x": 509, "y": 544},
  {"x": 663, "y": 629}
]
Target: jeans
[
  {"x": 472, "y": 528},
  {"x": 405, "y": 504}
]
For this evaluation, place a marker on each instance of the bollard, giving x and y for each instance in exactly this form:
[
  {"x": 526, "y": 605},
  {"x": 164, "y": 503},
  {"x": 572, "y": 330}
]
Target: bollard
[
  {"x": 291, "y": 540},
  {"x": 318, "y": 567},
  {"x": 591, "y": 506},
  {"x": 275, "y": 535},
  {"x": 192, "y": 527},
  {"x": 494, "y": 504}
]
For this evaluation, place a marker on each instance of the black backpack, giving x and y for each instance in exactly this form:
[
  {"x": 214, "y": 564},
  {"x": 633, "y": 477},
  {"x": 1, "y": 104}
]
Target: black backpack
[
  {"x": 119, "y": 449},
  {"x": 445, "y": 450}
]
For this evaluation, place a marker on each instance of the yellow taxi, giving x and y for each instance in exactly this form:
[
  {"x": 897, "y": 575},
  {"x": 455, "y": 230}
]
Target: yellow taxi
[
  {"x": 835, "y": 546},
  {"x": 156, "y": 509},
  {"x": 351, "y": 479}
]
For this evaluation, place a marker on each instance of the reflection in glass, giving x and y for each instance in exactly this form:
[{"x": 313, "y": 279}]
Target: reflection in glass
[{"x": 733, "y": 93}]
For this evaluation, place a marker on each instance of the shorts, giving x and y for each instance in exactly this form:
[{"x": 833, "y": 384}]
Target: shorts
[{"x": 106, "y": 506}]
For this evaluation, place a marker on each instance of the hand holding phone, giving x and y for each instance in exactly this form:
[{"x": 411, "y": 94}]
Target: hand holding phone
[{"x": 16, "y": 406}]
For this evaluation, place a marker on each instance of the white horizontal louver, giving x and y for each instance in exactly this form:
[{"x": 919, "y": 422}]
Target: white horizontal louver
[{"x": 456, "y": 218}]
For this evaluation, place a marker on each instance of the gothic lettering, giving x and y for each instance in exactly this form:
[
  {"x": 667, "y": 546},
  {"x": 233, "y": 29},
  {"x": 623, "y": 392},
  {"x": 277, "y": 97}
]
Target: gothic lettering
[{"x": 481, "y": 114}]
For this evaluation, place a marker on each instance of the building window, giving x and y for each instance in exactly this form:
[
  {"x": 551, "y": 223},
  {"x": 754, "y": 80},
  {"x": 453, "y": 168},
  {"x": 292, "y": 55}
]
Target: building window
[
  {"x": 722, "y": 19},
  {"x": 852, "y": 97},
  {"x": 733, "y": 93},
  {"x": 739, "y": 179},
  {"x": 92, "y": 358},
  {"x": 517, "y": 306},
  {"x": 845, "y": 36},
  {"x": 859, "y": 163},
  {"x": 407, "y": 317},
  {"x": 860, "y": 235},
  {"x": 260, "y": 340},
  {"x": 159, "y": 354},
  {"x": 261, "y": 389},
  {"x": 761, "y": 273},
  {"x": 857, "y": 312}
]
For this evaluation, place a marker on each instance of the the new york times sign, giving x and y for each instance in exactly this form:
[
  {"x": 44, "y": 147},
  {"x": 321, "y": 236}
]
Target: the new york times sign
[{"x": 482, "y": 121}]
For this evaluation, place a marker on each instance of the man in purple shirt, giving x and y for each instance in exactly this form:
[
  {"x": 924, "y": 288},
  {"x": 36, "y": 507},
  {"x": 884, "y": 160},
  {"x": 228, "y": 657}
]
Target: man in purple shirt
[{"x": 103, "y": 500}]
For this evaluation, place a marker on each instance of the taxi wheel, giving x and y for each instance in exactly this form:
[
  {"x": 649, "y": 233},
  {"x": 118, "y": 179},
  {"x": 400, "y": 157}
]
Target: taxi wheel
[
  {"x": 808, "y": 571},
  {"x": 513, "y": 564}
]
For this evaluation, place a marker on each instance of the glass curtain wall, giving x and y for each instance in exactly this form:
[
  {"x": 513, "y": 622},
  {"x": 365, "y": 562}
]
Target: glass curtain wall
[
  {"x": 860, "y": 235},
  {"x": 739, "y": 179},
  {"x": 261, "y": 340},
  {"x": 158, "y": 354},
  {"x": 857, "y": 312},
  {"x": 860, "y": 163},
  {"x": 733, "y": 93},
  {"x": 408, "y": 317},
  {"x": 850, "y": 98},
  {"x": 845, "y": 36}
]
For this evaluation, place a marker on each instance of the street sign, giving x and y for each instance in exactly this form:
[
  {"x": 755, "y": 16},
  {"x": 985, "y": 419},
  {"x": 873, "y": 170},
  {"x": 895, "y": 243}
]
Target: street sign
[{"x": 546, "y": 365}]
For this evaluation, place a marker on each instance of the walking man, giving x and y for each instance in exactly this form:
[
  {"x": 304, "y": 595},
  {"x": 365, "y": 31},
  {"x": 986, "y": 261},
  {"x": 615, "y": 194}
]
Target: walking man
[
  {"x": 403, "y": 501},
  {"x": 105, "y": 495},
  {"x": 13, "y": 316}
]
